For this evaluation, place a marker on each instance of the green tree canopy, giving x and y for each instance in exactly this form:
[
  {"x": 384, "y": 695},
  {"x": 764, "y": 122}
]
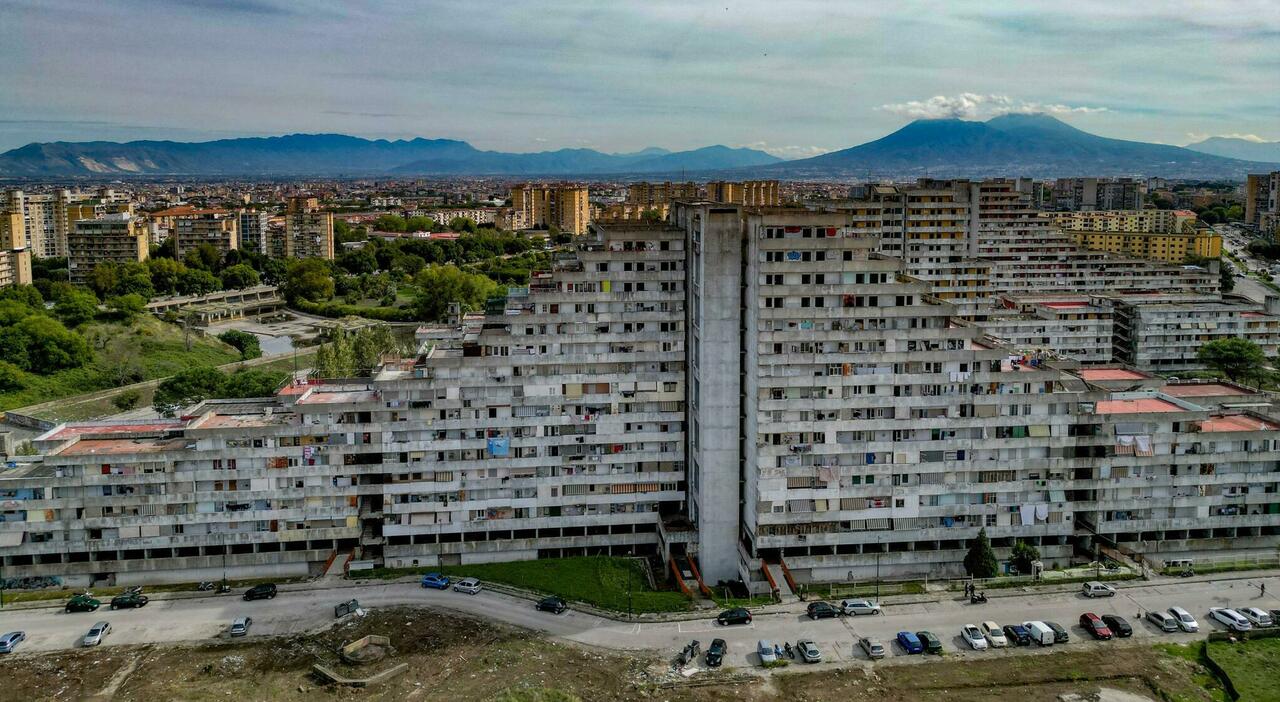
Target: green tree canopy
[
  {"x": 165, "y": 274},
  {"x": 239, "y": 276},
  {"x": 204, "y": 256},
  {"x": 10, "y": 377},
  {"x": 127, "y": 306},
  {"x": 76, "y": 307},
  {"x": 187, "y": 388},
  {"x": 309, "y": 279},
  {"x": 438, "y": 286},
  {"x": 1235, "y": 358},
  {"x": 1024, "y": 554},
  {"x": 27, "y": 295},
  {"x": 50, "y": 346},
  {"x": 246, "y": 343},
  {"x": 980, "y": 561},
  {"x": 196, "y": 281}
]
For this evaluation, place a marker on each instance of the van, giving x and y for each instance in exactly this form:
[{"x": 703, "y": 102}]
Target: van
[
  {"x": 1040, "y": 632},
  {"x": 1097, "y": 589}
]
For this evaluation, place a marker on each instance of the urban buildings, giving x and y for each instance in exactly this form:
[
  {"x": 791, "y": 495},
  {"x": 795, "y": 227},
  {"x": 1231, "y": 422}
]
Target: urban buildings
[
  {"x": 1087, "y": 194},
  {"x": 754, "y": 193},
  {"x": 253, "y": 229},
  {"x": 48, "y": 218},
  {"x": 1163, "y": 331},
  {"x": 563, "y": 206},
  {"x": 1074, "y": 327},
  {"x": 308, "y": 231},
  {"x": 118, "y": 238},
  {"x": 15, "y": 259},
  {"x": 660, "y": 193},
  {"x": 1162, "y": 235},
  {"x": 217, "y": 228},
  {"x": 1262, "y": 203}
]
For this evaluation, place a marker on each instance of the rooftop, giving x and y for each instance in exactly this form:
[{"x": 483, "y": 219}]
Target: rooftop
[
  {"x": 1142, "y": 405},
  {"x": 1111, "y": 374},
  {"x": 326, "y": 397},
  {"x": 71, "y": 431},
  {"x": 1204, "y": 389},
  {"x": 1237, "y": 422},
  {"x": 109, "y": 447}
]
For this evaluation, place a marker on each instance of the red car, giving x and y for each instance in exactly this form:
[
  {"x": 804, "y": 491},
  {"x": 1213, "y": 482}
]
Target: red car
[{"x": 1093, "y": 624}]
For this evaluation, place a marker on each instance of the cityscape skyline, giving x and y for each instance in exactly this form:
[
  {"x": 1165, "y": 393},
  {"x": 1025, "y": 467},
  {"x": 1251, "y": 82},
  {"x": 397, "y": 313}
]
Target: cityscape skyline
[{"x": 524, "y": 81}]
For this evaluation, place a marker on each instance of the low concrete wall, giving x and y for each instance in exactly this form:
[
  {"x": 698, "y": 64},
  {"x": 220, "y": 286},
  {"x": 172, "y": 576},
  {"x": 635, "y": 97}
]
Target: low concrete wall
[{"x": 195, "y": 575}]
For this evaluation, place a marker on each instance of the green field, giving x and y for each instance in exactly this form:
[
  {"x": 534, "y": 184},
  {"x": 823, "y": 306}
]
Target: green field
[
  {"x": 596, "y": 580},
  {"x": 1251, "y": 665}
]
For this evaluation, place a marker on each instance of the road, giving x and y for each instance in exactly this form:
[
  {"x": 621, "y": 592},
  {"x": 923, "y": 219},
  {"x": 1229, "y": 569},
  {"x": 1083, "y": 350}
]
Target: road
[{"x": 305, "y": 609}]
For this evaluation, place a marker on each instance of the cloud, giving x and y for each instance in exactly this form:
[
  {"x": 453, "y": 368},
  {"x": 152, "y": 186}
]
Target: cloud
[
  {"x": 788, "y": 152},
  {"x": 1197, "y": 136},
  {"x": 976, "y": 106}
]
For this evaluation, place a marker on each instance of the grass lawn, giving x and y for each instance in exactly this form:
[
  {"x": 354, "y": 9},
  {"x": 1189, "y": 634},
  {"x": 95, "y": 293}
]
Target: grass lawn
[
  {"x": 597, "y": 580},
  {"x": 106, "y": 593},
  {"x": 1251, "y": 665},
  {"x": 1199, "y": 675}
]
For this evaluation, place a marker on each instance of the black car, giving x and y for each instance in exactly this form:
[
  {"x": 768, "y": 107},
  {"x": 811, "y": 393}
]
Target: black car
[
  {"x": 1017, "y": 634},
  {"x": 737, "y": 615},
  {"x": 129, "y": 600},
  {"x": 1060, "y": 635},
  {"x": 265, "y": 591},
  {"x": 822, "y": 610},
  {"x": 715, "y": 653},
  {"x": 554, "y": 605},
  {"x": 1118, "y": 626}
]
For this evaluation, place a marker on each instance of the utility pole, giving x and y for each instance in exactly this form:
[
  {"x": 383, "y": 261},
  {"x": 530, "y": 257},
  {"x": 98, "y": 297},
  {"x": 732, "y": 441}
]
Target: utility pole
[{"x": 877, "y": 576}]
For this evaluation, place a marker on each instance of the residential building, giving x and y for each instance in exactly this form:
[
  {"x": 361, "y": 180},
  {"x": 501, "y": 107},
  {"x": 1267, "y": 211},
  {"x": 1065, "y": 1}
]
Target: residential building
[
  {"x": 1074, "y": 327},
  {"x": 1089, "y": 194},
  {"x": 630, "y": 210},
  {"x": 253, "y": 227},
  {"x": 308, "y": 231},
  {"x": 1162, "y": 235},
  {"x": 217, "y": 228},
  {"x": 1262, "y": 203},
  {"x": 753, "y": 193},
  {"x": 48, "y": 218},
  {"x": 1164, "y": 331},
  {"x": 479, "y": 215},
  {"x": 15, "y": 259},
  {"x": 119, "y": 238},
  {"x": 657, "y": 194},
  {"x": 563, "y": 206}
]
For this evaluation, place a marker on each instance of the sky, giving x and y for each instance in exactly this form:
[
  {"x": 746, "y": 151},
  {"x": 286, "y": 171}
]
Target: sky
[{"x": 795, "y": 78}]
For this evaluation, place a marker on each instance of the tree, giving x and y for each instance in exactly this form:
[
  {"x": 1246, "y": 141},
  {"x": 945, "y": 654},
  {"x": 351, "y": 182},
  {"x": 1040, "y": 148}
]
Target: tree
[
  {"x": 26, "y": 295},
  {"x": 187, "y": 388},
  {"x": 104, "y": 278},
  {"x": 389, "y": 223},
  {"x": 462, "y": 224},
  {"x": 195, "y": 281},
  {"x": 127, "y": 306},
  {"x": 1235, "y": 358},
  {"x": 438, "y": 286},
  {"x": 1024, "y": 554},
  {"x": 165, "y": 274},
  {"x": 50, "y": 346},
  {"x": 353, "y": 354},
  {"x": 238, "y": 277},
  {"x": 247, "y": 344},
  {"x": 252, "y": 382},
  {"x": 138, "y": 283},
  {"x": 12, "y": 312},
  {"x": 980, "y": 561},
  {"x": 126, "y": 400},
  {"x": 204, "y": 256},
  {"x": 273, "y": 271},
  {"x": 10, "y": 377},
  {"x": 358, "y": 261},
  {"x": 76, "y": 308},
  {"x": 309, "y": 279},
  {"x": 121, "y": 358}
]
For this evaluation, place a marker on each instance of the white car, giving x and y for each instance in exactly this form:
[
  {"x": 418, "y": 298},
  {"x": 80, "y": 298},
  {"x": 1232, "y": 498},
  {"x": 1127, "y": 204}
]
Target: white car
[
  {"x": 856, "y": 607},
  {"x": 468, "y": 585},
  {"x": 765, "y": 650},
  {"x": 1186, "y": 622},
  {"x": 1256, "y": 617},
  {"x": 972, "y": 635},
  {"x": 1230, "y": 618},
  {"x": 994, "y": 634},
  {"x": 97, "y": 633}
]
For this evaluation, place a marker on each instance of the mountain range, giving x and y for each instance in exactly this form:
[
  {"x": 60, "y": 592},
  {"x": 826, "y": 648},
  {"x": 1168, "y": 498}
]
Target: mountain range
[
  {"x": 337, "y": 154},
  {"x": 1234, "y": 147},
  {"x": 1031, "y": 145}
]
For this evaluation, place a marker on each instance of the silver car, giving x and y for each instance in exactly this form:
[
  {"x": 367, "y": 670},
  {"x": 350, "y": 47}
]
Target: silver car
[
  {"x": 1186, "y": 622},
  {"x": 809, "y": 652},
  {"x": 97, "y": 633},
  {"x": 10, "y": 641},
  {"x": 240, "y": 627},
  {"x": 468, "y": 585},
  {"x": 856, "y": 607},
  {"x": 872, "y": 647}
]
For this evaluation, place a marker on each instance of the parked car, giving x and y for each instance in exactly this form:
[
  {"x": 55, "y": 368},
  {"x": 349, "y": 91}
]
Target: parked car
[
  {"x": 1040, "y": 633},
  {"x": 470, "y": 586},
  {"x": 1256, "y": 617},
  {"x": 436, "y": 580},
  {"x": 715, "y": 653},
  {"x": 1162, "y": 620},
  {"x": 240, "y": 627},
  {"x": 822, "y": 610},
  {"x": 932, "y": 644},
  {"x": 96, "y": 634},
  {"x": 342, "y": 609},
  {"x": 1118, "y": 625},
  {"x": 910, "y": 642},
  {"x": 83, "y": 603},
  {"x": 1232, "y": 619},
  {"x": 1017, "y": 634},
  {"x": 856, "y": 607},
  {"x": 1094, "y": 588},
  {"x": 972, "y": 635},
  {"x": 553, "y": 604},
  {"x": 994, "y": 634},
  {"x": 765, "y": 650},
  {"x": 1094, "y": 626},
  {"x": 10, "y": 641},
  {"x": 129, "y": 600},
  {"x": 872, "y": 647},
  {"x": 265, "y": 591},
  {"x": 1060, "y": 634},
  {"x": 737, "y": 615},
  {"x": 1186, "y": 622},
  {"x": 809, "y": 652}
]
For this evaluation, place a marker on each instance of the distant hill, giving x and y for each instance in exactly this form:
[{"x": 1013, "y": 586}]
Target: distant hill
[
  {"x": 1012, "y": 145},
  {"x": 1244, "y": 149},
  {"x": 337, "y": 154}
]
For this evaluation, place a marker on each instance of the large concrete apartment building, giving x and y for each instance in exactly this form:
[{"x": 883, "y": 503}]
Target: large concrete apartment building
[
  {"x": 1163, "y": 235},
  {"x": 564, "y": 206},
  {"x": 1262, "y": 203},
  {"x": 15, "y": 259},
  {"x": 759, "y": 393},
  {"x": 1088, "y": 194},
  {"x": 117, "y": 238},
  {"x": 217, "y": 228},
  {"x": 307, "y": 233}
]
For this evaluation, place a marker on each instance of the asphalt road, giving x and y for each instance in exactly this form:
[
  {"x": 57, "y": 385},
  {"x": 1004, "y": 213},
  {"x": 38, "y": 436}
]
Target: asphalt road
[{"x": 300, "y": 610}]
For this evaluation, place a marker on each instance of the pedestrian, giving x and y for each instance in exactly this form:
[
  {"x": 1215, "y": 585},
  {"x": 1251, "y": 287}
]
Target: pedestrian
[{"x": 1264, "y": 589}]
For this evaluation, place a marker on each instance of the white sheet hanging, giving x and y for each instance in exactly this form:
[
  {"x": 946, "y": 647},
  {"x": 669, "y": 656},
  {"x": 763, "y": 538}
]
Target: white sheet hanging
[{"x": 1042, "y": 512}]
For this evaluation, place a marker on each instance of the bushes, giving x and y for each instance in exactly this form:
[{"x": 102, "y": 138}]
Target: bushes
[
  {"x": 247, "y": 344},
  {"x": 337, "y": 310},
  {"x": 197, "y": 384}
]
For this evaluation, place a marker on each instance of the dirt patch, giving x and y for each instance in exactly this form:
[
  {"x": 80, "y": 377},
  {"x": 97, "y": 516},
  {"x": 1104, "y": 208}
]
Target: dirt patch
[{"x": 452, "y": 657}]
